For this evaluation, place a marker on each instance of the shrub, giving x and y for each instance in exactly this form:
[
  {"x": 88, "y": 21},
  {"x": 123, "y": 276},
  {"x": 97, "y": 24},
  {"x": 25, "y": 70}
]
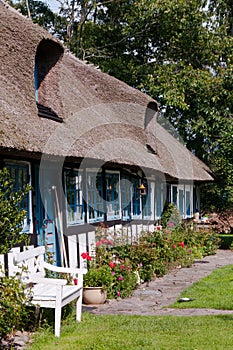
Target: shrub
[
  {"x": 14, "y": 314},
  {"x": 153, "y": 255},
  {"x": 11, "y": 213},
  {"x": 226, "y": 241}
]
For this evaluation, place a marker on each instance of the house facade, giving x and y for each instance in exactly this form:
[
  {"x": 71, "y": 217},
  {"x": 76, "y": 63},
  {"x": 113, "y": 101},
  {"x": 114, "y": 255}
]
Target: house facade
[{"x": 89, "y": 144}]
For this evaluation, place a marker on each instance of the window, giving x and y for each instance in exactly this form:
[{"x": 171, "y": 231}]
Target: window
[
  {"x": 181, "y": 201},
  {"x": 136, "y": 199},
  {"x": 19, "y": 174},
  {"x": 113, "y": 195},
  {"x": 74, "y": 197},
  {"x": 146, "y": 202},
  {"x": 174, "y": 195},
  {"x": 126, "y": 190},
  {"x": 187, "y": 203},
  {"x": 94, "y": 196},
  {"x": 158, "y": 199}
]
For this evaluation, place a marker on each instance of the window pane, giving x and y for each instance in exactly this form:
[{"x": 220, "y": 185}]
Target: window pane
[
  {"x": 74, "y": 197},
  {"x": 19, "y": 174},
  {"x": 136, "y": 198},
  {"x": 158, "y": 199},
  {"x": 112, "y": 196},
  {"x": 126, "y": 190},
  {"x": 95, "y": 196},
  {"x": 146, "y": 201}
]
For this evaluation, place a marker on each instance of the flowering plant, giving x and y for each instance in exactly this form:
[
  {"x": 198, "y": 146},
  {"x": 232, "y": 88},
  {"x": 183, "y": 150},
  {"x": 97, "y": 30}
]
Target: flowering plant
[{"x": 97, "y": 275}]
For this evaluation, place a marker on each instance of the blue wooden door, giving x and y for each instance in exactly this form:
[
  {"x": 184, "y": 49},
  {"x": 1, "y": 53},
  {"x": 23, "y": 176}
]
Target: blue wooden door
[{"x": 46, "y": 228}]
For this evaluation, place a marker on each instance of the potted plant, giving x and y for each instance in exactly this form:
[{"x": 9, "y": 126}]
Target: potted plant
[{"x": 96, "y": 281}]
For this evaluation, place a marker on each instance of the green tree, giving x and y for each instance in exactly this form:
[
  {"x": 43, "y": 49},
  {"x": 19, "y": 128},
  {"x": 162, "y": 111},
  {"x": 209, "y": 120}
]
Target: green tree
[
  {"x": 11, "y": 213},
  {"x": 41, "y": 14},
  {"x": 181, "y": 53}
]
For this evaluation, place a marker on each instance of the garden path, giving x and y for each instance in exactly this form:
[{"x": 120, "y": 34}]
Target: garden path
[{"x": 154, "y": 299}]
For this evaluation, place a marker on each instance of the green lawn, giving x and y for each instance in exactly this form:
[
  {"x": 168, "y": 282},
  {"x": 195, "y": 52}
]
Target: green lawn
[
  {"x": 118, "y": 332},
  {"x": 214, "y": 291}
]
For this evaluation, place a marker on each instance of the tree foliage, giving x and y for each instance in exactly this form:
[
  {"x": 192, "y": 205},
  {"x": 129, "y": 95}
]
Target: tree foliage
[
  {"x": 179, "y": 52},
  {"x": 11, "y": 213}
]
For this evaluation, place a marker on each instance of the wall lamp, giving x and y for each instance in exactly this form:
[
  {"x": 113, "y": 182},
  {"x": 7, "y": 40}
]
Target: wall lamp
[{"x": 142, "y": 190}]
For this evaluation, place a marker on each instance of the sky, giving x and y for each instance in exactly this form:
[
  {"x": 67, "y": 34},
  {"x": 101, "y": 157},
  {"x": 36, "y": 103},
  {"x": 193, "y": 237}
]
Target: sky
[{"x": 53, "y": 4}]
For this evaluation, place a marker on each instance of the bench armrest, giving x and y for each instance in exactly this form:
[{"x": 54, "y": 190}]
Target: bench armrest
[
  {"x": 70, "y": 270},
  {"x": 44, "y": 280}
]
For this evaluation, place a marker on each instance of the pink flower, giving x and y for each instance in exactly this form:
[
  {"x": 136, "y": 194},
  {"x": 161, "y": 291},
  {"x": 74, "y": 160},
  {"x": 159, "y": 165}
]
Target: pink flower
[
  {"x": 171, "y": 224},
  {"x": 120, "y": 278},
  {"x": 174, "y": 246},
  {"x": 118, "y": 294},
  {"x": 122, "y": 267},
  {"x": 98, "y": 244},
  {"x": 104, "y": 241}
]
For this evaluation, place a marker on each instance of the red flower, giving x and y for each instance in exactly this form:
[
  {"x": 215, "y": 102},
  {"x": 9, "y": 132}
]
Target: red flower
[
  {"x": 75, "y": 281},
  {"x": 112, "y": 264},
  {"x": 174, "y": 246},
  {"x": 86, "y": 256},
  {"x": 181, "y": 244},
  {"x": 98, "y": 244}
]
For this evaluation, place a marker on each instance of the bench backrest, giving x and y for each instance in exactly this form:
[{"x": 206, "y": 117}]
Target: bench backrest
[{"x": 27, "y": 263}]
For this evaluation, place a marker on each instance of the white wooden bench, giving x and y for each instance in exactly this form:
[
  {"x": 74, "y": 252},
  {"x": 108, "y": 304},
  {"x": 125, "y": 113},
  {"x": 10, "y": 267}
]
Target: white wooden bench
[{"x": 47, "y": 292}]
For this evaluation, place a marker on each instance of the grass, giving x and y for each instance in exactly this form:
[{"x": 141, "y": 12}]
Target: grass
[
  {"x": 213, "y": 292},
  {"x": 118, "y": 332}
]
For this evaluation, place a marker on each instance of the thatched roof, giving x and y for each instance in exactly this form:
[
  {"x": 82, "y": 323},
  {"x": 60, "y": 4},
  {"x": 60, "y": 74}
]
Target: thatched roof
[{"x": 103, "y": 117}]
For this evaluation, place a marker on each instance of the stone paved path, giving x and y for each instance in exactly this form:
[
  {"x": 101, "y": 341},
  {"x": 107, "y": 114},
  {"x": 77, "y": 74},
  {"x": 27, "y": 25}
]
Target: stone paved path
[{"x": 154, "y": 299}]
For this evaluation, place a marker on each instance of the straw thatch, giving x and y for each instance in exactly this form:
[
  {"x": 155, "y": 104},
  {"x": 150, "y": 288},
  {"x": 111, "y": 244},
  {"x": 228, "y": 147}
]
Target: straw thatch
[{"x": 102, "y": 117}]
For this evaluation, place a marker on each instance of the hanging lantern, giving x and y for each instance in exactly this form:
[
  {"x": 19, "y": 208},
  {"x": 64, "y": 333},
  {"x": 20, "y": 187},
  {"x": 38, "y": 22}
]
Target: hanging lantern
[{"x": 142, "y": 190}]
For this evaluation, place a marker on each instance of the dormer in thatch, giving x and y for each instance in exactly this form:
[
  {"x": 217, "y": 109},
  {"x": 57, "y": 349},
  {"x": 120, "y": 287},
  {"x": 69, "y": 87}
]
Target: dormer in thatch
[{"x": 88, "y": 142}]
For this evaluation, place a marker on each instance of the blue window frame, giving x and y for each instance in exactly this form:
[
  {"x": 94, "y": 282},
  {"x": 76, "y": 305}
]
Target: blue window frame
[
  {"x": 74, "y": 197},
  {"x": 95, "y": 206},
  {"x": 19, "y": 174},
  {"x": 113, "y": 195}
]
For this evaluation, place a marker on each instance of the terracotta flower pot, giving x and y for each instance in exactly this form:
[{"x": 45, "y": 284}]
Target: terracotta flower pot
[{"x": 94, "y": 295}]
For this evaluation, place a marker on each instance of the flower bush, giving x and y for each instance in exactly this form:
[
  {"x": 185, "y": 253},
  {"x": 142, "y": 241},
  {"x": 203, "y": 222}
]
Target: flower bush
[
  {"x": 97, "y": 275},
  {"x": 119, "y": 266}
]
